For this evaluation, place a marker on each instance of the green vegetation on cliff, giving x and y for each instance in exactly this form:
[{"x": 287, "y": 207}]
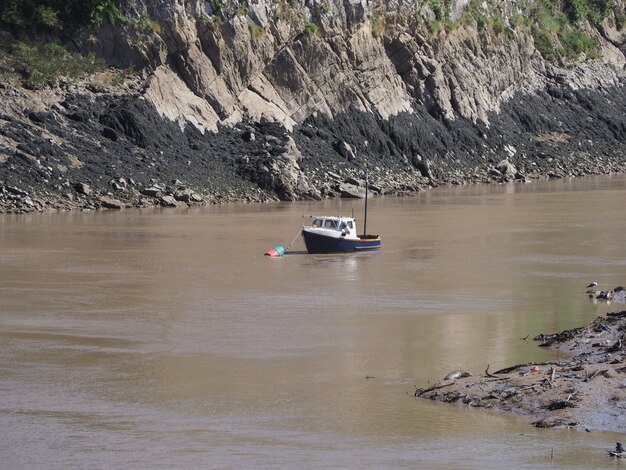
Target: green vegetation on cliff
[
  {"x": 558, "y": 27},
  {"x": 592, "y": 10},
  {"x": 40, "y": 64},
  {"x": 57, "y": 15},
  {"x": 562, "y": 29}
]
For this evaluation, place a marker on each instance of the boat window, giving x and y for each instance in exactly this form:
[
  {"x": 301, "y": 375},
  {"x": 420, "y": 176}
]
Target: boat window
[
  {"x": 317, "y": 223},
  {"x": 331, "y": 224},
  {"x": 350, "y": 224}
]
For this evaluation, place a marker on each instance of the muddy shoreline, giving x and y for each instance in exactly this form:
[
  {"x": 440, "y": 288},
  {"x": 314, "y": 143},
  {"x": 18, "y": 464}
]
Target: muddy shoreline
[
  {"x": 587, "y": 391},
  {"x": 86, "y": 147}
]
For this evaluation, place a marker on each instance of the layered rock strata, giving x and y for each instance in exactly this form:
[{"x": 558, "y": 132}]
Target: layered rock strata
[{"x": 283, "y": 100}]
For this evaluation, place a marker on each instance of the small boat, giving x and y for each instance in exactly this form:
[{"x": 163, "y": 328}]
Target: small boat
[{"x": 337, "y": 234}]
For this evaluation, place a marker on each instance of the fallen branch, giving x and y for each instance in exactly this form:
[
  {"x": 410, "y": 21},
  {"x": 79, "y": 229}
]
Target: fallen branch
[
  {"x": 506, "y": 370},
  {"x": 419, "y": 393}
]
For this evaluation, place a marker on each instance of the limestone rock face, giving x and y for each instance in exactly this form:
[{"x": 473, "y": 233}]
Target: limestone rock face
[
  {"x": 263, "y": 100},
  {"x": 213, "y": 63}
]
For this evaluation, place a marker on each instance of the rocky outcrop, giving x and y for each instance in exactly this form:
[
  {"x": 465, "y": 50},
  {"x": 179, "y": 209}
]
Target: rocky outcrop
[
  {"x": 265, "y": 100},
  {"x": 213, "y": 62}
]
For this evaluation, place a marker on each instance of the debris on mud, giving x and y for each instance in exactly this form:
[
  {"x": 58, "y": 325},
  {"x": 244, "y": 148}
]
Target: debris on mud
[{"x": 588, "y": 390}]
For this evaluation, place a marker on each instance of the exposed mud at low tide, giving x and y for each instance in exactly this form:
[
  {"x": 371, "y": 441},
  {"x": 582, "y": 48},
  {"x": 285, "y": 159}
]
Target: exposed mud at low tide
[{"x": 587, "y": 391}]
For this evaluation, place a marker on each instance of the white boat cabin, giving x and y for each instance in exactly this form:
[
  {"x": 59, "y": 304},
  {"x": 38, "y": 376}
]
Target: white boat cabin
[{"x": 335, "y": 227}]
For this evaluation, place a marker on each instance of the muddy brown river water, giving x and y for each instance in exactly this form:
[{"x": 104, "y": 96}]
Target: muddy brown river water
[{"x": 164, "y": 338}]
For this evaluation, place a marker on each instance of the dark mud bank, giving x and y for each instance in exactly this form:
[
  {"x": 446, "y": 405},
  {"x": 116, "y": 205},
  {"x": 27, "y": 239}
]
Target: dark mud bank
[
  {"x": 95, "y": 149},
  {"x": 586, "y": 391}
]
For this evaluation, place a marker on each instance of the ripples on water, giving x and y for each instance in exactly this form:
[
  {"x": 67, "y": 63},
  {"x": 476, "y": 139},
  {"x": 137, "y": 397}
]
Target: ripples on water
[{"x": 165, "y": 338}]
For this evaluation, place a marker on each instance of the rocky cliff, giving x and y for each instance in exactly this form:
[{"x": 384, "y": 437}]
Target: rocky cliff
[{"x": 261, "y": 100}]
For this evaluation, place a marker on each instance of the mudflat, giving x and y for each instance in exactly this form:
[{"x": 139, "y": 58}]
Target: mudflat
[{"x": 587, "y": 390}]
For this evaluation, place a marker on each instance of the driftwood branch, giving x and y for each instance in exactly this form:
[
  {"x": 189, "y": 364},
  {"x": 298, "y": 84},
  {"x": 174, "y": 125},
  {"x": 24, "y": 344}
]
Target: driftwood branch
[{"x": 419, "y": 393}]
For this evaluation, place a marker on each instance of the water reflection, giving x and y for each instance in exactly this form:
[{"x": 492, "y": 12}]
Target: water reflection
[{"x": 167, "y": 337}]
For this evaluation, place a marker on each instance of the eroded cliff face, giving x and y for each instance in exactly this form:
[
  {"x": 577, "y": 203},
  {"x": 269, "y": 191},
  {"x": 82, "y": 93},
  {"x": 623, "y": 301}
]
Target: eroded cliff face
[
  {"x": 275, "y": 99},
  {"x": 220, "y": 62}
]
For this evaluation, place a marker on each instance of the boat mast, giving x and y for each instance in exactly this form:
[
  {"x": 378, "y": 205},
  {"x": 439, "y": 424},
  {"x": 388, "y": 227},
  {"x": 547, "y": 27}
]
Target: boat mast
[{"x": 365, "y": 221}]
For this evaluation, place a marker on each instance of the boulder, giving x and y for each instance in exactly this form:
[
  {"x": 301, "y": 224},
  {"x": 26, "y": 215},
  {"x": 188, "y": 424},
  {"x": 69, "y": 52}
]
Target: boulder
[
  {"x": 354, "y": 181},
  {"x": 292, "y": 151},
  {"x": 117, "y": 186},
  {"x": 187, "y": 195},
  {"x": 110, "y": 203},
  {"x": 308, "y": 131},
  {"x": 152, "y": 191},
  {"x": 195, "y": 197},
  {"x": 506, "y": 169},
  {"x": 168, "y": 201},
  {"x": 83, "y": 188},
  {"x": 350, "y": 191},
  {"x": 345, "y": 150},
  {"x": 16, "y": 191},
  {"x": 422, "y": 165}
]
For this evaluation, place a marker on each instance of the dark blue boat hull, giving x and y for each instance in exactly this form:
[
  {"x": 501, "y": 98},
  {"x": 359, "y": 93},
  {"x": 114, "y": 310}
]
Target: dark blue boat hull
[{"x": 316, "y": 243}]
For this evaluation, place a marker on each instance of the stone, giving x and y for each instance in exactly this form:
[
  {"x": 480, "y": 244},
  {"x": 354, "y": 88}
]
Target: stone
[
  {"x": 249, "y": 136},
  {"x": 168, "y": 201},
  {"x": 350, "y": 191},
  {"x": 422, "y": 165},
  {"x": 273, "y": 140},
  {"x": 291, "y": 150},
  {"x": 110, "y": 203},
  {"x": 187, "y": 195},
  {"x": 354, "y": 181},
  {"x": 308, "y": 131},
  {"x": 118, "y": 186},
  {"x": 506, "y": 169},
  {"x": 152, "y": 191},
  {"x": 83, "y": 188},
  {"x": 17, "y": 191},
  {"x": 510, "y": 150},
  {"x": 345, "y": 150}
]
